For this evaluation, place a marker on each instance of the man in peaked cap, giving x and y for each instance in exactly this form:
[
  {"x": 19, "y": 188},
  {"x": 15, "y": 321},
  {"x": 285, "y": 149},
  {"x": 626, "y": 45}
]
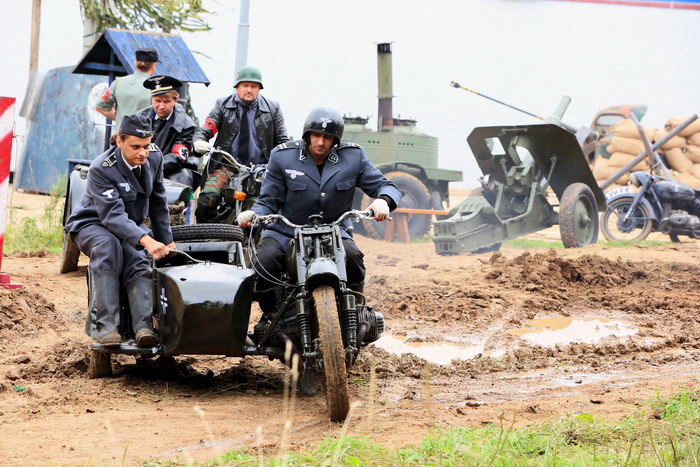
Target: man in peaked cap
[
  {"x": 124, "y": 186},
  {"x": 245, "y": 124},
  {"x": 173, "y": 128},
  {"x": 126, "y": 95}
]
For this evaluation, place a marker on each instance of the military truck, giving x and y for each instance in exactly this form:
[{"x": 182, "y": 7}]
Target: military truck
[{"x": 404, "y": 154}]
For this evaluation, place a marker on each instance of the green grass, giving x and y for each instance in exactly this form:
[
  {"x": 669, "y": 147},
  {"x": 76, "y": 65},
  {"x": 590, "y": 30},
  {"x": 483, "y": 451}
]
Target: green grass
[
  {"x": 42, "y": 232},
  {"x": 633, "y": 243},
  {"x": 665, "y": 431},
  {"x": 527, "y": 244}
]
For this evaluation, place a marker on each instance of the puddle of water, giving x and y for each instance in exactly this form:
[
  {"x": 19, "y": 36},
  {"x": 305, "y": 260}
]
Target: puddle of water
[
  {"x": 440, "y": 353},
  {"x": 549, "y": 332}
]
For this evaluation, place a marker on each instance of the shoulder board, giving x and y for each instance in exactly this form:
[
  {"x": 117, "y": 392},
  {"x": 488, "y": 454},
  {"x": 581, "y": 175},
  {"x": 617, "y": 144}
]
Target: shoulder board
[
  {"x": 154, "y": 147},
  {"x": 288, "y": 145},
  {"x": 346, "y": 144},
  {"x": 110, "y": 160}
]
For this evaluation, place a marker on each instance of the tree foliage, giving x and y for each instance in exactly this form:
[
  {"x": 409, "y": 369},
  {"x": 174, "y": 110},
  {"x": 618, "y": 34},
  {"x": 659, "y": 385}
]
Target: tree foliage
[{"x": 146, "y": 15}]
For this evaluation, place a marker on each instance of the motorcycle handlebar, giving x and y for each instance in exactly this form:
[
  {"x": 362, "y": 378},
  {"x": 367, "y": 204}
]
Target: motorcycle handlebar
[
  {"x": 269, "y": 218},
  {"x": 230, "y": 159}
]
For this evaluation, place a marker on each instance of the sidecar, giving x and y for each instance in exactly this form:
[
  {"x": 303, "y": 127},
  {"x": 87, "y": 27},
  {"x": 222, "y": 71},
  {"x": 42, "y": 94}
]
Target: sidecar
[{"x": 202, "y": 303}]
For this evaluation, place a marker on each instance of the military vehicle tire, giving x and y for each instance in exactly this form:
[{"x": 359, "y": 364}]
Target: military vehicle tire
[
  {"x": 414, "y": 195},
  {"x": 207, "y": 232},
  {"x": 100, "y": 365},
  {"x": 331, "y": 342},
  {"x": 70, "y": 254},
  {"x": 578, "y": 216}
]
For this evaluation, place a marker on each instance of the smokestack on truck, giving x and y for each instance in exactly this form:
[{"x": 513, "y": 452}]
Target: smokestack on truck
[{"x": 404, "y": 154}]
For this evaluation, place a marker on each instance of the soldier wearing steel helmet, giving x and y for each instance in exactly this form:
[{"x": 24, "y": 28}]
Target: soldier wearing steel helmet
[
  {"x": 315, "y": 175},
  {"x": 245, "y": 124}
]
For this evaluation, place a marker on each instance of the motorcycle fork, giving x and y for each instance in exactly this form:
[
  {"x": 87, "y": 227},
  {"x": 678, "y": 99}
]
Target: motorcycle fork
[
  {"x": 637, "y": 200},
  {"x": 348, "y": 308},
  {"x": 303, "y": 314}
]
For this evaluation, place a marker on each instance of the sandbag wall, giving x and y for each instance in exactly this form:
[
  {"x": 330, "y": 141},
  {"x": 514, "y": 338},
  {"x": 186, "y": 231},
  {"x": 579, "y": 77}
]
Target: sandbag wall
[{"x": 681, "y": 153}]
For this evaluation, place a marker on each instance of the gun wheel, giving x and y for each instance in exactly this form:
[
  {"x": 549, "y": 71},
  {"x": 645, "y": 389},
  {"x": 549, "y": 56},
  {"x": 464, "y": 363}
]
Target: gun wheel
[
  {"x": 578, "y": 216},
  {"x": 333, "y": 352}
]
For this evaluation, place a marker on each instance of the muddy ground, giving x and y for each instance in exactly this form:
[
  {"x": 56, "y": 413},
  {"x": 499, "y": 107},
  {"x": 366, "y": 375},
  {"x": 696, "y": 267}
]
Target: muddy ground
[{"x": 200, "y": 406}]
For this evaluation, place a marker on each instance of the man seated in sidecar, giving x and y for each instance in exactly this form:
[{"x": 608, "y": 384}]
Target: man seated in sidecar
[
  {"x": 124, "y": 186},
  {"x": 315, "y": 175}
]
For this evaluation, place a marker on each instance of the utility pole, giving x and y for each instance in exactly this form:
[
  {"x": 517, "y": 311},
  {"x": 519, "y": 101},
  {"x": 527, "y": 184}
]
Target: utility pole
[
  {"x": 36, "y": 26},
  {"x": 242, "y": 39}
]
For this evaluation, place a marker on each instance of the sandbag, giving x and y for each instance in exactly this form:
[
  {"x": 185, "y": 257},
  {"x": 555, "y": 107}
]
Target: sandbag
[
  {"x": 675, "y": 141},
  {"x": 689, "y": 179},
  {"x": 623, "y": 144},
  {"x": 694, "y": 139},
  {"x": 692, "y": 152},
  {"x": 621, "y": 159},
  {"x": 695, "y": 171},
  {"x": 626, "y": 128},
  {"x": 677, "y": 160},
  {"x": 673, "y": 122}
]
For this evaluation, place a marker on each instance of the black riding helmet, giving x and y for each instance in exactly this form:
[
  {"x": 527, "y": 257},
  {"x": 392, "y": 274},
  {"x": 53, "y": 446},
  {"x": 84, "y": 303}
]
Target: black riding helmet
[{"x": 326, "y": 121}]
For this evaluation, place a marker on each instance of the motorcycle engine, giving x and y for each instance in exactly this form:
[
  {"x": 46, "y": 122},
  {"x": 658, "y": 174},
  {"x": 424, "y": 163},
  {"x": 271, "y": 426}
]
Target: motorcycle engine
[
  {"x": 375, "y": 320},
  {"x": 683, "y": 220}
]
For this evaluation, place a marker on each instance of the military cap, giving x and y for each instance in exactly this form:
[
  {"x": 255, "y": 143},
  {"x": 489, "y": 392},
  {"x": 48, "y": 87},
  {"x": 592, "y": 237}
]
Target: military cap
[
  {"x": 147, "y": 54},
  {"x": 136, "y": 125},
  {"x": 161, "y": 84}
]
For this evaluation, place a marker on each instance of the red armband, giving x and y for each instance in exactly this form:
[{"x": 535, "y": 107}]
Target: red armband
[
  {"x": 209, "y": 123},
  {"x": 180, "y": 150},
  {"x": 105, "y": 96}
]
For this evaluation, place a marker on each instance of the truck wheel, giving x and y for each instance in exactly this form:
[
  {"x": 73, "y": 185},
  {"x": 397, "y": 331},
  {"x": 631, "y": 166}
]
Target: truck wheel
[
  {"x": 100, "y": 365},
  {"x": 614, "y": 226},
  {"x": 331, "y": 342},
  {"x": 413, "y": 195},
  {"x": 207, "y": 232},
  {"x": 578, "y": 216},
  {"x": 70, "y": 254}
]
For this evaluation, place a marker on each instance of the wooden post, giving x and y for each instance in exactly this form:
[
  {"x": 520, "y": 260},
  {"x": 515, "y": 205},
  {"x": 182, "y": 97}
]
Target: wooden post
[{"x": 36, "y": 26}]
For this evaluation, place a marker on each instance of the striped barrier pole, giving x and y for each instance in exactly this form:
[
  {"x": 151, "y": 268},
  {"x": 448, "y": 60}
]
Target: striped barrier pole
[{"x": 7, "y": 120}]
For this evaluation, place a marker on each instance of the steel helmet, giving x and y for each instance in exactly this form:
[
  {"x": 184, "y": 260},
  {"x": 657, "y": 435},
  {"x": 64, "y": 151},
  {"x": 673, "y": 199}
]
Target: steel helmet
[
  {"x": 326, "y": 121},
  {"x": 248, "y": 73}
]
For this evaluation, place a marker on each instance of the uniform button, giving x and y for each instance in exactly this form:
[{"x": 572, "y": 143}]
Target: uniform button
[
  {"x": 323, "y": 195},
  {"x": 321, "y": 213}
]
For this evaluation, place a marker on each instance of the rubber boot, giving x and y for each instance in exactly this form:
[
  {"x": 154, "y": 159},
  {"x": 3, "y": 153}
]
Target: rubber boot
[
  {"x": 140, "y": 294},
  {"x": 105, "y": 308},
  {"x": 206, "y": 205},
  {"x": 267, "y": 300}
]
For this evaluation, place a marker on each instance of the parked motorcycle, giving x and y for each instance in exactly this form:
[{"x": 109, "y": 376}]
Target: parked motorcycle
[
  {"x": 660, "y": 205},
  {"x": 243, "y": 187},
  {"x": 324, "y": 320}
]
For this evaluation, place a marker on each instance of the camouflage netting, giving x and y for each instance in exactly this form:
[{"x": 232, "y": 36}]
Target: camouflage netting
[{"x": 681, "y": 153}]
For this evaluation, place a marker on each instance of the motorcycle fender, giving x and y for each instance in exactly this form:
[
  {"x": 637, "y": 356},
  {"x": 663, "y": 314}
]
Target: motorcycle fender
[
  {"x": 631, "y": 197},
  {"x": 322, "y": 271}
]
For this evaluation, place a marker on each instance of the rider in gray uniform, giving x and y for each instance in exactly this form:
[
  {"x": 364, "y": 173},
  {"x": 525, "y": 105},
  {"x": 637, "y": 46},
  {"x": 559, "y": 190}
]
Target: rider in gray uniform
[{"x": 124, "y": 186}]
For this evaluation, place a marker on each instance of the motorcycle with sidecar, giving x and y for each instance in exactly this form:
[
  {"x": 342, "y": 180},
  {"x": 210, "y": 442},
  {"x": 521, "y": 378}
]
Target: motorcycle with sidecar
[{"x": 204, "y": 291}]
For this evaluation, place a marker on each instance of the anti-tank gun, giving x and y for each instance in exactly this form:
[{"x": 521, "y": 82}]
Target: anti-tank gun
[{"x": 520, "y": 165}]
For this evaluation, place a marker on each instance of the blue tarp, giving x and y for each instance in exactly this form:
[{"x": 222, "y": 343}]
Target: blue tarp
[
  {"x": 114, "y": 51},
  {"x": 62, "y": 127}
]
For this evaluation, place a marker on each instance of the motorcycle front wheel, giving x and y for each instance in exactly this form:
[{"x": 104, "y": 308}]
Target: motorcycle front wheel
[
  {"x": 635, "y": 228},
  {"x": 333, "y": 352}
]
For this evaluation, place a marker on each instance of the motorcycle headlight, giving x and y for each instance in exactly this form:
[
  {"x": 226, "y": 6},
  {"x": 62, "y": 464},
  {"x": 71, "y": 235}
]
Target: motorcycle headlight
[{"x": 633, "y": 180}]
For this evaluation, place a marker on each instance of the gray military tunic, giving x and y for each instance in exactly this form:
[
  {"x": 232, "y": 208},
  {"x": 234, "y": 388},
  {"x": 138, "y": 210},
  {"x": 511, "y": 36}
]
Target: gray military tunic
[
  {"x": 292, "y": 186},
  {"x": 110, "y": 219}
]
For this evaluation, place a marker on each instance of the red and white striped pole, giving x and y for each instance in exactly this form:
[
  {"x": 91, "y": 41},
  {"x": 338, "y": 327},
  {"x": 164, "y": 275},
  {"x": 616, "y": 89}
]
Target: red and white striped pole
[{"x": 7, "y": 120}]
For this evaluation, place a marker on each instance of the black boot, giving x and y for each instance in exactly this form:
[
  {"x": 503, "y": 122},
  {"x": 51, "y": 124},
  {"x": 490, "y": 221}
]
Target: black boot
[
  {"x": 206, "y": 207},
  {"x": 140, "y": 293},
  {"x": 104, "y": 308}
]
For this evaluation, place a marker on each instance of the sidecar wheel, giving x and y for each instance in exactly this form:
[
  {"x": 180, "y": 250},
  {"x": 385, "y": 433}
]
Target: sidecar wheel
[
  {"x": 616, "y": 229},
  {"x": 578, "y": 216},
  {"x": 207, "y": 232},
  {"x": 100, "y": 365},
  {"x": 333, "y": 352}
]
